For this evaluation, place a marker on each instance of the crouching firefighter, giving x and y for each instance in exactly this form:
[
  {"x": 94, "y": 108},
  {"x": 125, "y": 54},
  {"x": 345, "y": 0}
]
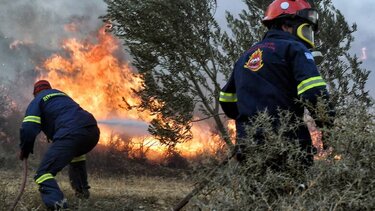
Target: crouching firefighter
[
  {"x": 73, "y": 132},
  {"x": 277, "y": 73}
]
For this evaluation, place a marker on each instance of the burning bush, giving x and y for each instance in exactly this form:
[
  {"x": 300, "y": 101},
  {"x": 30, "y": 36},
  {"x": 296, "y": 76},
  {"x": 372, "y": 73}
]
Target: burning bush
[{"x": 121, "y": 157}]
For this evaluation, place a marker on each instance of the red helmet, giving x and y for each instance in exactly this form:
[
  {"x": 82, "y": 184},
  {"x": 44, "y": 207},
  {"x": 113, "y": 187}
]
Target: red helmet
[
  {"x": 290, "y": 8},
  {"x": 40, "y": 86}
]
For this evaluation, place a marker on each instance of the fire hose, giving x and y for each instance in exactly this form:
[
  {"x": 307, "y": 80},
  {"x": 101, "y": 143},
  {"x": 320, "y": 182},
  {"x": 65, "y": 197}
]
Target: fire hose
[
  {"x": 22, "y": 187},
  {"x": 202, "y": 183}
]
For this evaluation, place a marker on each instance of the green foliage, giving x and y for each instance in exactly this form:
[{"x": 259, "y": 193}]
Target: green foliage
[
  {"x": 175, "y": 46},
  {"x": 246, "y": 30},
  {"x": 340, "y": 69},
  {"x": 341, "y": 180},
  {"x": 181, "y": 53}
]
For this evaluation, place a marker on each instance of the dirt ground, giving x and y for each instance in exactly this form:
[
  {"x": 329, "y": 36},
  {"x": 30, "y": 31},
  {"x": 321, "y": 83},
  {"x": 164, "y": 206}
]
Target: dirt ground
[{"x": 107, "y": 193}]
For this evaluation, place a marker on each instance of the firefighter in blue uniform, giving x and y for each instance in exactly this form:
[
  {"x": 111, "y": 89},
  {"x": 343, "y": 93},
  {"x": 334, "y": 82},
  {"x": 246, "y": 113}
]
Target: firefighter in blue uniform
[
  {"x": 277, "y": 71},
  {"x": 73, "y": 132}
]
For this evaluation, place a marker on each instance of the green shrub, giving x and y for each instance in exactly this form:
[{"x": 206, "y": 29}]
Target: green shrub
[{"x": 342, "y": 180}]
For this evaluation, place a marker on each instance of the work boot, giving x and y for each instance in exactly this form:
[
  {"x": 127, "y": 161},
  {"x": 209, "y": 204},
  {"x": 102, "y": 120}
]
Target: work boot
[
  {"x": 78, "y": 179},
  {"x": 60, "y": 205},
  {"x": 51, "y": 195},
  {"x": 83, "y": 193}
]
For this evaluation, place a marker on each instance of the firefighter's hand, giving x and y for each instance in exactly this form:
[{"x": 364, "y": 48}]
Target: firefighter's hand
[
  {"x": 23, "y": 154},
  {"x": 240, "y": 153}
]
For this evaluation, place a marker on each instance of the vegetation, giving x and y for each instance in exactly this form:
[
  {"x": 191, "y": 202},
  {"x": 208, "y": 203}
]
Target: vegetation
[
  {"x": 10, "y": 118},
  {"x": 340, "y": 181},
  {"x": 107, "y": 192},
  {"x": 118, "y": 182},
  {"x": 176, "y": 48},
  {"x": 182, "y": 54}
]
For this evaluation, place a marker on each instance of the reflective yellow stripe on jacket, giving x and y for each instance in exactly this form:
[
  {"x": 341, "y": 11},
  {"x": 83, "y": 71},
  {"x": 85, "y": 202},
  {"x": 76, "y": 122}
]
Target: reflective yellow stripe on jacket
[
  {"x": 44, "y": 177},
  {"x": 79, "y": 158},
  {"x": 35, "y": 119},
  {"x": 310, "y": 83},
  {"x": 228, "y": 97},
  {"x": 47, "y": 97}
]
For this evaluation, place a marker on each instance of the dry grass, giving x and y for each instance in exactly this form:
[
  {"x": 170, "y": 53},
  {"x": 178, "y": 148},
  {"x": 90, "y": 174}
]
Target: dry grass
[{"x": 107, "y": 193}]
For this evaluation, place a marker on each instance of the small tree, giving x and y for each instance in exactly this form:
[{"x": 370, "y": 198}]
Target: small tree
[
  {"x": 341, "y": 181},
  {"x": 182, "y": 55},
  {"x": 176, "y": 47}
]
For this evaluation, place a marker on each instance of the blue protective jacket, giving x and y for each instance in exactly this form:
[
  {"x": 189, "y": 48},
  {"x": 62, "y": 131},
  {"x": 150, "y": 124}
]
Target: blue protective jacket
[
  {"x": 272, "y": 75},
  {"x": 54, "y": 113}
]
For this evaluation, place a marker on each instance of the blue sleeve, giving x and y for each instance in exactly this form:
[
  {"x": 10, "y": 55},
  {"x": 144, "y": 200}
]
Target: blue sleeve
[
  {"x": 305, "y": 71},
  {"x": 31, "y": 126},
  {"x": 228, "y": 98},
  {"x": 311, "y": 85}
]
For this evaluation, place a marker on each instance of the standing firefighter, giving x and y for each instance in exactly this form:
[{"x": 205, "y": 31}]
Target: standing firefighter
[
  {"x": 73, "y": 131},
  {"x": 276, "y": 72}
]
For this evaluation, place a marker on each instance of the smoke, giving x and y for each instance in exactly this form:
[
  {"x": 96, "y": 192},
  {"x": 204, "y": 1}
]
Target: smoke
[
  {"x": 125, "y": 126},
  {"x": 42, "y": 22},
  {"x": 31, "y": 31}
]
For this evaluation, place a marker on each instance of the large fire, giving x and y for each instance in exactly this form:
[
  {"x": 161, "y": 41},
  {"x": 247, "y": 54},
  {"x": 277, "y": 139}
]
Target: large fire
[{"x": 92, "y": 74}]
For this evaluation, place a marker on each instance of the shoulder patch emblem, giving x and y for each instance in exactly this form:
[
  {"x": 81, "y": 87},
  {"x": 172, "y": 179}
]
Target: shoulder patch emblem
[
  {"x": 309, "y": 56},
  {"x": 255, "y": 61}
]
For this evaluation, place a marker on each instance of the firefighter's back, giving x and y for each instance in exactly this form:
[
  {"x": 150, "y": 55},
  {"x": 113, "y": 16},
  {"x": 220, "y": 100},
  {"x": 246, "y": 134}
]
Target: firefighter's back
[{"x": 61, "y": 114}]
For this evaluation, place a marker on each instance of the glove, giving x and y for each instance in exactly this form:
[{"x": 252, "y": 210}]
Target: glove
[
  {"x": 23, "y": 154},
  {"x": 240, "y": 153}
]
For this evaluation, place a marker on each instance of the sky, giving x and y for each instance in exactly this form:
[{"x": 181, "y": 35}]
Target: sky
[{"x": 41, "y": 24}]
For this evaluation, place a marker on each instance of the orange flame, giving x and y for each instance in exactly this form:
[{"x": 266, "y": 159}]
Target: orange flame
[{"x": 92, "y": 75}]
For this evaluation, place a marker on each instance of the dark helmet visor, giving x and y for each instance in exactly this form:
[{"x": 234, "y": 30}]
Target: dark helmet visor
[{"x": 310, "y": 15}]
